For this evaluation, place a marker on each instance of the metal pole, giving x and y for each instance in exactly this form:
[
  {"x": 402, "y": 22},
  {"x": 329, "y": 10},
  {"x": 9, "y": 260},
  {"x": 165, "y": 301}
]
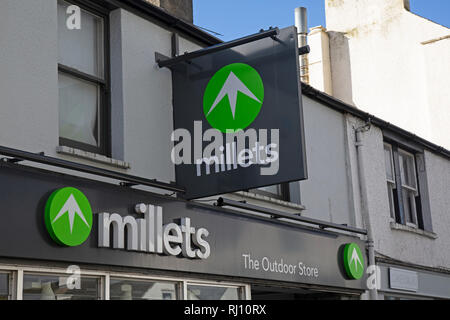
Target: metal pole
[
  {"x": 20, "y": 155},
  {"x": 221, "y": 202},
  {"x": 226, "y": 45},
  {"x": 301, "y": 22}
]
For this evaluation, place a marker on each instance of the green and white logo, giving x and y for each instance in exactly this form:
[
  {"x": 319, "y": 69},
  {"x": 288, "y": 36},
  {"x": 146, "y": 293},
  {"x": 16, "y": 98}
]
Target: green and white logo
[
  {"x": 244, "y": 88},
  {"x": 353, "y": 261},
  {"x": 68, "y": 217}
]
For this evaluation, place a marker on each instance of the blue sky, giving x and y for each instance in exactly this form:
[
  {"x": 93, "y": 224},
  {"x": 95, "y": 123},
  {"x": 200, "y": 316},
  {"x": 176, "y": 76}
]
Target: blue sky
[{"x": 238, "y": 18}]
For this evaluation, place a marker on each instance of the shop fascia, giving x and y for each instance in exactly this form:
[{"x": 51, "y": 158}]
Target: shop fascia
[{"x": 151, "y": 235}]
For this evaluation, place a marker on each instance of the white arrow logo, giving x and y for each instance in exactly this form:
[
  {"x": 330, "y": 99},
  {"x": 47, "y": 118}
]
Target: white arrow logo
[
  {"x": 231, "y": 87},
  {"x": 355, "y": 257},
  {"x": 71, "y": 207}
]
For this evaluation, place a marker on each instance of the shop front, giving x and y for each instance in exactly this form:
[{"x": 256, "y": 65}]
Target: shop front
[{"x": 66, "y": 237}]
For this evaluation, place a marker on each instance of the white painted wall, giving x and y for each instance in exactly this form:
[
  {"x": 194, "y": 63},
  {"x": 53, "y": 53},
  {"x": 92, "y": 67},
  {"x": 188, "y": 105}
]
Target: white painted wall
[
  {"x": 327, "y": 194},
  {"x": 379, "y": 64}
]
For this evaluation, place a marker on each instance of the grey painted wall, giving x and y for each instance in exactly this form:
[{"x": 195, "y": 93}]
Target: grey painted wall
[
  {"x": 326, "y": 194},
  {"x": 28, "y": 75}
]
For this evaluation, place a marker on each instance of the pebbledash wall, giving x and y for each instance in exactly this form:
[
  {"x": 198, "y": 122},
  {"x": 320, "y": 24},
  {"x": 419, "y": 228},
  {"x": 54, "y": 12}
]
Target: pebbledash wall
[{"x": 141, "y": 124}]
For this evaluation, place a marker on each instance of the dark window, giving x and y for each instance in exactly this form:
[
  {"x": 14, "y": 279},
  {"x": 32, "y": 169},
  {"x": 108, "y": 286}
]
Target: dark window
[
  {"x": 5, "y": 283},
  {"x": 83, "y": 80},
  {"x": 277, "y": 191},
  {"x": 406, "y": 201}
]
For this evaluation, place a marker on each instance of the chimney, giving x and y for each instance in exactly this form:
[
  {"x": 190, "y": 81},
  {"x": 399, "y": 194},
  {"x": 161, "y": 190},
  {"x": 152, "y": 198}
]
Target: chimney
[
  {"x": 301, "y": 22},
  {"x": 179, "y": 8},
  {"x": 348, "y": 15}
]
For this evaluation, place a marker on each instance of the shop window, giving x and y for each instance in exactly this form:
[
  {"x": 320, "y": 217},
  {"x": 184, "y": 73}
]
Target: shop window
[
  {"x": 59, "y": 287},
  {"x": 407, "y": 201},
  {"x": 125, "y": 289},
  {"x": 209, "y": 292},
  {"x": 5, "y": 286},
  {"x": 83, "y": 80}
]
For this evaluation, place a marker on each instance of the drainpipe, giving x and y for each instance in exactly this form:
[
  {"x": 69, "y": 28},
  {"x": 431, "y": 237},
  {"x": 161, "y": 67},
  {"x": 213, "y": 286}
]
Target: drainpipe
[
  {"x": 373, "y": 294},
  {"x": 301, "y": 22}
]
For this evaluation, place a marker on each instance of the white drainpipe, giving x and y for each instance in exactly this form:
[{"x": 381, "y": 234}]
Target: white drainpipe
[{"x": 373, "y": 293}]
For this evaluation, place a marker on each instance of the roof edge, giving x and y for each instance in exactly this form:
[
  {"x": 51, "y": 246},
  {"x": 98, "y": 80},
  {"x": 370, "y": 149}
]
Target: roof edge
[
  {"x": 167, "y": 19},
  {"x": 343, "y": 107},
  {"x": 178, "y": 24}
]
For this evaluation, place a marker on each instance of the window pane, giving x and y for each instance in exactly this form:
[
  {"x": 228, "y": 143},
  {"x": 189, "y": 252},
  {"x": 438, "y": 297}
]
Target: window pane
[
  {"x": 54, "y": 287},
  {"x": 275, "y": 189},
  {"x": 82, "y": 48},
  {"x": 4, "y": 286},
  {"x": 196, "y": 292},
  {"x": 391, "y": 199},
  {"x": 122, "y": 289},
  {"x": 388, "y": 163},
  {"x": 408, "y": 206},
  {"x": 407, "y": 170},
  {"x": 78, "y": 110}
]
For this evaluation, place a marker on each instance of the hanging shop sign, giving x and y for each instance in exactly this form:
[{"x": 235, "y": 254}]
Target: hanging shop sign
[{"x": 238, "y": 117}]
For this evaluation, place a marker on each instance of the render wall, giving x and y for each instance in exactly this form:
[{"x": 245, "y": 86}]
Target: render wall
[
  {"x": 380, "y": 64},
  {"x": 141, "y": 92},
  {"x": 406, "y": 245}
]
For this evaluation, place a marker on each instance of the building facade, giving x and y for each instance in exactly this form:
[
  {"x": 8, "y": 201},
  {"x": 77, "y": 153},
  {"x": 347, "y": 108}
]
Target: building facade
[
  {"x": 91, "y": 110},
  {"x": 373, "y": 50},
  {"x": 385, "y": 60}
]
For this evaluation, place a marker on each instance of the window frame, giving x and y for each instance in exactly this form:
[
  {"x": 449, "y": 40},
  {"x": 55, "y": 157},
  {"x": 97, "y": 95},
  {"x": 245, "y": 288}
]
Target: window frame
[
  {"x": 239, "y": 287},
  {"x": 391, "y": 183},
  {"x": 422, "y": 219},
  {"x": 17, "y": 273},
  {"x": 99, "y": 279},
  {"x": 10, "y": 284},
  {"x": 410, "y": 189},
  {"x": 104, "y": 85},
  {"x": 178, "y": 284},
  {"x": 284, "y": 192}
]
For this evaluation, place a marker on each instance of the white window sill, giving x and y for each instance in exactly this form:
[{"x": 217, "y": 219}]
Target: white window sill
[
  {"x": 271, "y": 200},
  {"x": 92, "y": 157},
  {"x": 407, "y": 228}
]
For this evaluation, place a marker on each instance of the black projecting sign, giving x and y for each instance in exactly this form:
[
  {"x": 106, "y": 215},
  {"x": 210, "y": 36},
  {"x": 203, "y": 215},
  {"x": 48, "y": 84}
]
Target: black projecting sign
[{"x": 238, "y": 117}]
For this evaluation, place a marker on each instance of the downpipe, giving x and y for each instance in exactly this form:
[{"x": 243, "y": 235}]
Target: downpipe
[{"x": 373, "y": 293}]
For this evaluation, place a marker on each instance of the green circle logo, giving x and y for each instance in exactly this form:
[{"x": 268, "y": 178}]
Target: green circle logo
[
  {"x": 68, "y": 217},
  {"x": 353, "y": 261},
  {"x": 233, "y": 97}
]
